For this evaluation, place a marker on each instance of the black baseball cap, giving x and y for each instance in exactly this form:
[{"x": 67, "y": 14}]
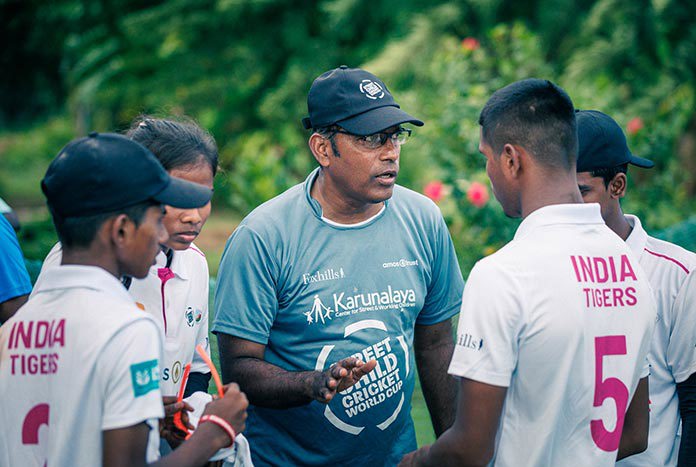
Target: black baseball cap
[
  {"x": 354, "y": 99},
  {"x": 104, "y": 172},
  {"x": 602, "y": 144}
]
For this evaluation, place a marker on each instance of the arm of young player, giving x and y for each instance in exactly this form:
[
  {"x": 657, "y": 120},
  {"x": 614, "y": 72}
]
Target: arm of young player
[
  {"x": 14, "y": 279},
  {"x": 126, "y": 447},
  {"x": 634, "y": 437},
  {"x": 9, "y": 307},
  {"x": 471, "y": 439},
  {"x": 268, "y": 385},
  {"x": 686, "y": 390},
  {"x": 433, "y": 346}
]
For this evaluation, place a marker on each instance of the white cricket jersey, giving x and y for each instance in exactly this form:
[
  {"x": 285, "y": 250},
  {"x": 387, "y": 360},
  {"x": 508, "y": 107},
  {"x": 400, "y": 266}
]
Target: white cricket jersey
[
  {"x": 177, "y": 299},
  {"x": 78, "y": 359},
  {"x": 673, "y": 352},
  {"x": 562, "y": 316}
]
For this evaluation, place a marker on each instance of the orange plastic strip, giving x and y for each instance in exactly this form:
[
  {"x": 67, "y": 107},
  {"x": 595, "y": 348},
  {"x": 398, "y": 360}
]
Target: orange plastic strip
[{"x": 216, "y": 376}]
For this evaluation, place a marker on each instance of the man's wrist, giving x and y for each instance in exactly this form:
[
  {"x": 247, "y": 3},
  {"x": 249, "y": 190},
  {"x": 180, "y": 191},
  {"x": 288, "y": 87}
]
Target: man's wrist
[
  {"x": 219, "y": 437},
  {"x": 310, "y": 381}
]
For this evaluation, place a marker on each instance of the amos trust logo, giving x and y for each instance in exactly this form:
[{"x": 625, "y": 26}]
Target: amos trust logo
[
  {"x": 402, "y": 263},
  {"x": 346, "y": 305},
  {"x": 371, "y": 89}
]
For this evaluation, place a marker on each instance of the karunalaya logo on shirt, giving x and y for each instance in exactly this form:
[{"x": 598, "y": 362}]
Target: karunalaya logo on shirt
[{"x": 346, "y": 305}]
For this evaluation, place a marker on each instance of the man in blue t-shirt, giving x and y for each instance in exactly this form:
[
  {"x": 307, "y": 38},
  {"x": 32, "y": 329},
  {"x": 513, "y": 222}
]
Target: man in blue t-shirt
[
  {"x": 346, "y": 267},
  {"x": 14, "y": 279}
]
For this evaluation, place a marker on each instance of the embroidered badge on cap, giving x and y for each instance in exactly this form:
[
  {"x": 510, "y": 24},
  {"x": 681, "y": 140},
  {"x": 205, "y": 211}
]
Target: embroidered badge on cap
[
  {"x": 371, "y": 89},
  {"x": 145, "y": 377}
]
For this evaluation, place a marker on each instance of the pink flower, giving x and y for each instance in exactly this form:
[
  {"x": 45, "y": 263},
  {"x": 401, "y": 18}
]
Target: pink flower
[
  {"x": 635, "y": 125},
  {"x": 477, "y": 194},
  {"x": 434, "y": 190},
  {"x": 470, "y": 44}
]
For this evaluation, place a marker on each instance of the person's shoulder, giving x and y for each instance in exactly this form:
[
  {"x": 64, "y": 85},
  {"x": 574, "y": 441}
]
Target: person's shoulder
[
  {"x": 507, "y": 258},
  {"x": 193, "y": 257},
  {"x": 411, "y": 204},
  {"x": 669, "y": 255},
  {"x": 403, "y": 194},
  {"x": 276, "y": 210}
]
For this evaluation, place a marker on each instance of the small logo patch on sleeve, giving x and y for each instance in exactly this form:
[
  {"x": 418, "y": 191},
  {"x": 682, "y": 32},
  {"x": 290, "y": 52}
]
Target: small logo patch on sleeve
[{"x": 145, "y": 377}]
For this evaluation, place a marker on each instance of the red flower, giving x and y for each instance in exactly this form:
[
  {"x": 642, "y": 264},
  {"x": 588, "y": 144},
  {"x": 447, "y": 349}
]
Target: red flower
[
  {"x": 635, "y": 125},
  {"x": 470, "y": 44},
  {"x": 434, "y": 190},
  {"x": 477, "y": 194}
]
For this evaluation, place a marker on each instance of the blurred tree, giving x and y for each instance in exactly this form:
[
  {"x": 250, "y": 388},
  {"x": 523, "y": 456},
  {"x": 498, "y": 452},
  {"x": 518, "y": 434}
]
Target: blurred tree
[{"x": 243, "y": 67}]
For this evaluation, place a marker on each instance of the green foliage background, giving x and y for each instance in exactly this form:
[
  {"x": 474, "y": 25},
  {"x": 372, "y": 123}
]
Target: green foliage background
[{"x": 243, "y": 68}]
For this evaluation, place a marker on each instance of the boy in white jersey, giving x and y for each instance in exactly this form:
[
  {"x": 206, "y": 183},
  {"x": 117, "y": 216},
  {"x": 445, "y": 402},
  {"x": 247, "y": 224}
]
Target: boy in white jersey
[
  {"x": 555, "y": 327},
  {"x": 603, "y": 158},
  {"x": 80, "y": 359},
  {"x": 175, "y": 290}
]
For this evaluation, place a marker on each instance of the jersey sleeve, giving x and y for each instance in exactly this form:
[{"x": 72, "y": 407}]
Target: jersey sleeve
[
  {"x": 129, "y": 369},
  {"x": 681, "y": 350},
  {"x": 490, "y": 323},
  {"x": 445, "y": 289},
  {"x": 14, "y": 278},
  {"x": 246, "y": 300}
]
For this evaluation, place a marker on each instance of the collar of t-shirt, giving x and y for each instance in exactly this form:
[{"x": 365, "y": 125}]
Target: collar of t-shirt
[
  {"x": 70, "y": 276},
  {"x": 177, "y": 266},
  {"x": 315, "y": 207},
  {"x": 638, "y": 237},
  {"x": 556, "y": 214}
]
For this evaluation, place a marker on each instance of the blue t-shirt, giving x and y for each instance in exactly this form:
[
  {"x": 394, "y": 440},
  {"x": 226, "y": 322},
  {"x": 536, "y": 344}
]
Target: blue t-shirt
[
  {"x": 14, "y": 279},
  {"x": 313, "y": 293}
]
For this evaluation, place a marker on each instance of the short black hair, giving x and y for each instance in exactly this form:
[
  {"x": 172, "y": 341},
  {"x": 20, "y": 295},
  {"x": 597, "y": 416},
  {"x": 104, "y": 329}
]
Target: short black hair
[
  {"x": 176, "y": 143},
  {"x": 609, "y": 173},
  {"x": 535, "y": 114},
  {"x": 329, "y": 132},
  {"x": 79, "y": 232}
]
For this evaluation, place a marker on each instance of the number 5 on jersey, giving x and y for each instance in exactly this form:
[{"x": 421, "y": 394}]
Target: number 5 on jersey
[
  {"x": 609, "y": 388},
  {"x": 33, "y": 421}
]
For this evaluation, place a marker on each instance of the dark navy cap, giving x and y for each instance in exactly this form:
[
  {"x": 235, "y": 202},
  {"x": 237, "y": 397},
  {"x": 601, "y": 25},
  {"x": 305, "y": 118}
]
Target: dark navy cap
[
  {"x": 105, "y": 172},
  {"x": 602, "y": 144},
  {"x": 354, "y": 99}
]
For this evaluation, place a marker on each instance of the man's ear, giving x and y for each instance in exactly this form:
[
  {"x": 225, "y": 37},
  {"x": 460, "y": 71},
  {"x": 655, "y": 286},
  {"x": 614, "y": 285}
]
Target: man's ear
[
  {"x": 121, "y": 230},
  {"x": 617, "y": 186},
  {"x": 511, "y": 160},
  {"x": 321, "y": 149}
]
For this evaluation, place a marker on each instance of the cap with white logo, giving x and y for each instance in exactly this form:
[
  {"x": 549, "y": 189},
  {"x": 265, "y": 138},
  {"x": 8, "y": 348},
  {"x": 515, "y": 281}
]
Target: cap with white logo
[{"x": 354, "y": 99}]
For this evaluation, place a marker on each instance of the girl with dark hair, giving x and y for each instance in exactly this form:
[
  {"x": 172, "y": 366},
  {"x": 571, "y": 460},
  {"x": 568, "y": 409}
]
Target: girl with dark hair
[{"x": 175, "y": 292}]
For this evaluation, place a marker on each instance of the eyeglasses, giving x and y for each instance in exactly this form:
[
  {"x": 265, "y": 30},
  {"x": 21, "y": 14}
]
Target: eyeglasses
[{"x": 377, "y": 140}]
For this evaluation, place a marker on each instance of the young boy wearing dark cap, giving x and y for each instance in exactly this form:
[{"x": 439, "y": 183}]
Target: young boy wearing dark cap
[
  {"x": 80, "y": 359},
  {"x": 603, "y": 160}
]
